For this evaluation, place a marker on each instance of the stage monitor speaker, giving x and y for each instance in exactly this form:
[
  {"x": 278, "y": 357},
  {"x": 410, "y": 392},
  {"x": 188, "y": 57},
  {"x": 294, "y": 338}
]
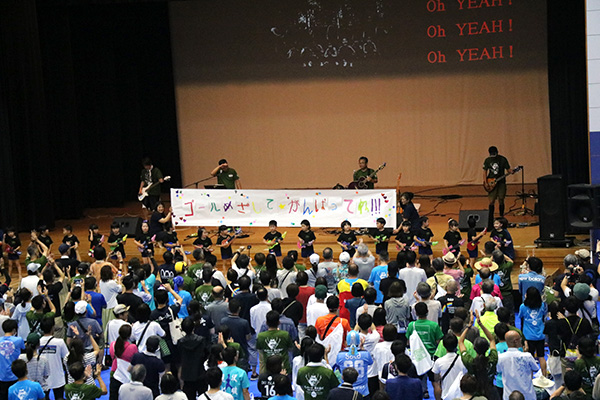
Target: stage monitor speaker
[
  {"x": 584, "y": 206},
  {"x": 481, "y": 219},
  {"x": 552, "y": 207},
  {"x": 131, "y": 226}
]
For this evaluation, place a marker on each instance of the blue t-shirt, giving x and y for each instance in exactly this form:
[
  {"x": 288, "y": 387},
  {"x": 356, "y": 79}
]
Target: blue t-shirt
[
  {"x": 10, "y": 349},
  {"x": 495, "y": 278},
  {"x": 150, "y": 281},
  {"x": 405, "y": 388},
  {"x": 531, "y": 279},
  {"x": 234, "y": 381},
  {"x": 98, "y": 303},
  {"x": 284, "y": 397},
  {"x": 377, "y": 274},
  {"x": 26, "y": 390},
  {"x": 360, "y": 362},
  {"x": 186, "y": 297},
  {"x": 533, "y": 321}
]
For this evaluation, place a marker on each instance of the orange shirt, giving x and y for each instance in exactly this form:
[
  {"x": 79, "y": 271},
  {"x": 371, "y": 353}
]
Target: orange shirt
[{"x": 323, "y": 321}]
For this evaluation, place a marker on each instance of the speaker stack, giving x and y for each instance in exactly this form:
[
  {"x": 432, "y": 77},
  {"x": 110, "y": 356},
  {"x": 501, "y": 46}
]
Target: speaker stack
[{"x": 552, "y": 207}]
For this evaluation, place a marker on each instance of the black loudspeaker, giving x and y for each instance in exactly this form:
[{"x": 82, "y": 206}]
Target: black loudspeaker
[
  {"x": 131, "y": 226},
  {"x": 481, "y": 219},
  {"x": 584, "y": 206},
  {"x": 552, "y": 207}
]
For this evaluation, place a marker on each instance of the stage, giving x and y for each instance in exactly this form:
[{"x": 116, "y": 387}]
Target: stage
[{"x": 438, "y": 203}]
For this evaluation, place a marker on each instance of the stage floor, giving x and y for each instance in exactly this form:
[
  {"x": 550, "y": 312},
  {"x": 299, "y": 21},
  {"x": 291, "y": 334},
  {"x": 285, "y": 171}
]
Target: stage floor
[{"x": 433, "y": 202}]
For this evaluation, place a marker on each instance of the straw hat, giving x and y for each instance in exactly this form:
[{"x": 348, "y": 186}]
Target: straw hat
[{"x": 486, "y": 263}]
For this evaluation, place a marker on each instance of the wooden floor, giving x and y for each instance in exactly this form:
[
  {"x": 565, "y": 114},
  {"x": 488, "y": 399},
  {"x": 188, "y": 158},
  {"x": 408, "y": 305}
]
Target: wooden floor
[{"x": 428, "y": 199}]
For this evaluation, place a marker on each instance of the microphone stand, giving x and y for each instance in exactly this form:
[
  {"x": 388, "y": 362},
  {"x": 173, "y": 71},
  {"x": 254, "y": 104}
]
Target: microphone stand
[
  {"x": 522, "y": 209},
  {"x": 197, "y": 182}
]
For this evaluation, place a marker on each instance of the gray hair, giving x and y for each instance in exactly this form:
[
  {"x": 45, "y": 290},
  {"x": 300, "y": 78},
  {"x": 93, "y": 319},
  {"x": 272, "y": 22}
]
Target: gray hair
[
  {"x": 570, "y": 259},
  {"x": 363, "y": 249},
  {"x": 138, "y": 373}
]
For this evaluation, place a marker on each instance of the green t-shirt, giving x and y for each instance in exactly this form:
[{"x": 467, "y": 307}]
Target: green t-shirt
[
  {"x": 360, "y": 174},
  {"x": 441, "y": 350},
  {"x": 227, "y": 178},
  {"x": 195, "y": 270},
  {"x": 503, "y": 272},
  {"x": 316, "y": 381},
  {"x": 465, "y": 283},
  {"x": 35, "y": 320},
  {"x": 271, "y": 343},
  {"x": 496, "y": 166},
  {"x": 588, "y": 368},
  {"x": 42, "y": 261},
  {"x": 204, "y": 295},
  {"x": 74, "y": 391},
  {"x": 429, "y": 332},
  {"x": 189, "y": 284}
]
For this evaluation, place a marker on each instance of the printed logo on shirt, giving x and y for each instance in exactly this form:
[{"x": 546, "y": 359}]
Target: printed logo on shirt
[
  {"x": 23, "y": 393},
  {"x": 7, "y": 348},
  {"x": 313, "y": 381},
  {"x": 273, "y": 343}
]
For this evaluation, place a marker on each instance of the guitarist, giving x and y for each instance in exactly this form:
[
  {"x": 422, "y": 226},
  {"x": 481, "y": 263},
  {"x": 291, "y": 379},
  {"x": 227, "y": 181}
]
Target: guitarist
[
  {"x": 149, "y": 176},
  {"x": 495, "y": 166},
  {"x": 364, "y": 172}
]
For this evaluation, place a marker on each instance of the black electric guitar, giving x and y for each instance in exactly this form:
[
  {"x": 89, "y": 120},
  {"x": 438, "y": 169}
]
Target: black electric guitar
[
  {"x": 490, "y": 183},
  {"x": 145, "y": 189},
  {"x": 361, "y": 183}
]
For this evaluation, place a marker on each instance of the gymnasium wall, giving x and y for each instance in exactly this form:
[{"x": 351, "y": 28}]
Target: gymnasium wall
[{"x": 293, "y": 92}]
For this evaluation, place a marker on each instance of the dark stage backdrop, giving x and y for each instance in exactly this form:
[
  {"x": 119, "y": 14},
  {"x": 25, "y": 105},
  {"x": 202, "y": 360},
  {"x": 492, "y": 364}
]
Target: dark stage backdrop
[{"x": 85, "y": 92}]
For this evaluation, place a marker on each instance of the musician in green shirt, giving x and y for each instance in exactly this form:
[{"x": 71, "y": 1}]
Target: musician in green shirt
[
  {"x": 365, "y": 172},
  {"x": 226, "y": 176}
]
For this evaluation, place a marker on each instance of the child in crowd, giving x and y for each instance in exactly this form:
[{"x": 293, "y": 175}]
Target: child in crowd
[
  {"x": 502, "y": 237},
  {"x": 347, "y": 239},
  {"x": 204, "y": 243},
  {"x": 452, "y": 238},
  {"x": 473, "y": 239},
  {"x": 404, "y": 238},
  {"x": 144, "y": 243},
  {"x": 71, "y": 240},
  {"x": 13, "y": 246},
  {"x": 307, "y": 239},
  {"x": 95, "y": 238},
  {"x": 423, "y": 237},
  {"x": 44, "y": 237},
  {"x": 224, "y": 243},
  {"x": 273, "y": 238},
  {"x": 116, "y": 241},
  {"x": 381, "y": 235}
]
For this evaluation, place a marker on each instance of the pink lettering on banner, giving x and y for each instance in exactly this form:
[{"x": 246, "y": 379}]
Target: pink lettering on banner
[
  {"x": 349, "y": 201},
  {"x": 191, "y": 204},
  {"x": 294, "y": 206}
]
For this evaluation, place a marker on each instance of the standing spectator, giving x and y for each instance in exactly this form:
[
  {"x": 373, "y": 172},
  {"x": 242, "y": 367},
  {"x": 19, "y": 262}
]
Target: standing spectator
[
  {"x": 193, "y": 350},
  {"x": 239, "y": 327},
  {"x": 449, "y": 302},
  {"x": 129, "y": 298},
  {"x": 532, "y": 278},
  {"x": 441, "y": 278},
  {"x": 397, "y": 310},
  {"x": 287, "y": 275},
  {"x": 266, "y": 380},
  {"x": 24, "y": 389},
  {"x": 135, "y": 390},
  {"x": 77, "y": 354},
  {"x": 97, "y": 300},
  {"x": 235, "y": 380},
  {"x": 83, "y": 325},
  {"x": 379, "y": 273},
  {"x": 447, "y": 368},
  {"x": 37, "y": 367},
  {"x": 304, "y": 293},
  {"x": 323, "y": 325},
  {"x": 588, "y": 365},
  {"x": 258, "y": 316},
  {"x": 122, "y": 352},
  {"x": 54, "y": 350},
  {"x": 346, "y": 390},
  {"x": 425, "y": 295},
  {"x": 356, "y": 302},
  {"x": 274, "y": 342},
  {"x": 11, "y": 346},
  {"x": 143, "y": 328},
  {"x": 165, "y": 314},
  {"x": 517, "y": 368},
  {"x": 411, "y": 275},
  {"x": 110, "y": 289},
  {"x": 20, "y": 314},
  {"x": 169, "y": 386},
  {"x": 219, "y": 308},
  {"x": 214, "y": 378},
  {"x": 318, "y": 309},
  {"x": 382, "y": 354},
  {"x": 121, "y": 313},
  {"x": 533, "y": 314},
  {"x": 364, "y": 260},
  {"x": 79, "y": 390},
  {"x": 403, "y": 386},
  {"x": 326, "y": 268},
  {"x": 316, "y": 380},
  {"x": 154, "y": 366}
]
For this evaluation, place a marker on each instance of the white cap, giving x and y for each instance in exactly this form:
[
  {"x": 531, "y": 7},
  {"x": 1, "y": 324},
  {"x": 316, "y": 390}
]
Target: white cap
[
  {"x": 345, "y": 257},
  {"x": 314, "y": 258},
  {"x": 80, "y": 307}
]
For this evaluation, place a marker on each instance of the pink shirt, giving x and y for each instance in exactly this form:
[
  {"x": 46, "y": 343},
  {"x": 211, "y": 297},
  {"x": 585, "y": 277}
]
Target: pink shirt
[
  {"x": 130, "y": 350},
  {"x": 476, "y": 291}
]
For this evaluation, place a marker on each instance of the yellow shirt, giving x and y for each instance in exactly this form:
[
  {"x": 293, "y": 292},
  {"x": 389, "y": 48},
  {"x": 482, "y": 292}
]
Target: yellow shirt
[{"x": 346, "y": 284}]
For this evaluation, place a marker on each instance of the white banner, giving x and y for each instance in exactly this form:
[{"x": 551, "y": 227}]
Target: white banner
[{"x": 322, "y": 208}]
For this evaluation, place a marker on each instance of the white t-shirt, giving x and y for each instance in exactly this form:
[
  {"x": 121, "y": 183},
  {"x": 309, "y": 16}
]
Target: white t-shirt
[
  {"x": 370, "y": 310},
  {"x": 479, "y": 302},
  {"x": 112, "y": 329},
  {"x": 441, "y": 366},
  {"x": 382, "y": 354},
  {"x": 138, "y": 328},
  {"x": 371, "y": 341},
  {"x": 258, "y": 314},
  {"x": 30, "y": 282},
  {"x": 516, "y": 368},
  {"x": 434, "y": 310},
  {"x": 178, "y": 395},
  {"x": 110, "y": 290},
  {"x": 411, "y": 277},
  {"x": 284, "y": 279},
  {"x": 55, "y": 352},
  {"x": 315, "y": 311},
  {"x": 220, "y": 395}
]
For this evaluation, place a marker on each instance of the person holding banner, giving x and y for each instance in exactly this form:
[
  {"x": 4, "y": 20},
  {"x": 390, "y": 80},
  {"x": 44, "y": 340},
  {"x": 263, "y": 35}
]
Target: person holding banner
[{"x": 226, "y": 176}]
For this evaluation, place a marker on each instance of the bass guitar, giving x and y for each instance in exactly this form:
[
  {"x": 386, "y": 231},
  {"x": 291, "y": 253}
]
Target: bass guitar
[
  {"x": 490, "y": 183},
  {"x": 361, "y": 183},
  {"x": 145, "y": 189}
]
